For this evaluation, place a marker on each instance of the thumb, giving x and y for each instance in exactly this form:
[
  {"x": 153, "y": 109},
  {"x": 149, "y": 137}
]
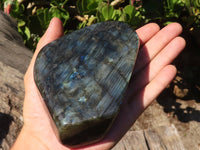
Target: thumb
[{"x": 53, "y": 32}]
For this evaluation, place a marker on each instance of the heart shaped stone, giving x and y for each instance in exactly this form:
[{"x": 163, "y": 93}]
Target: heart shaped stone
[{"x": 83, "y": 77}]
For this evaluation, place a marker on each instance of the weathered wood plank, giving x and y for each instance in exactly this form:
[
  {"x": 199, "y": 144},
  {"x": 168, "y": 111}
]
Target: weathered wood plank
[
  {"x": 14, "y": 60},
  {"x": 11, "y": 104},
  {"x": 12, "y": 49},
  {"x": 159, "y": 138},
  {"x": 163, "y": 138},
  {"x": 133, "y": 140}
]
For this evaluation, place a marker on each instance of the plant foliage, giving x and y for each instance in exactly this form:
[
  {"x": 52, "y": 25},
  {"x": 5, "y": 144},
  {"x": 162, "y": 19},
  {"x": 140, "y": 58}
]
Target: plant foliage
[{"x": 33, "y": 17}]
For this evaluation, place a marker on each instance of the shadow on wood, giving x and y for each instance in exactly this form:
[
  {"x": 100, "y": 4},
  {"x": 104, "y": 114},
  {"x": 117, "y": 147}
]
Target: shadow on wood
[{"x": 4, "y": 124}]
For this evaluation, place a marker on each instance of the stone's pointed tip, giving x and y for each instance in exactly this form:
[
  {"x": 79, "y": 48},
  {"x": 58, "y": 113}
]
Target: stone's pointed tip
[{"x": 83, "y": 77}]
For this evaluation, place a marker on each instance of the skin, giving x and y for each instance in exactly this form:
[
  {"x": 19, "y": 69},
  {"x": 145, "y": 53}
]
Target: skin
[{"x": 152, "y": 73}]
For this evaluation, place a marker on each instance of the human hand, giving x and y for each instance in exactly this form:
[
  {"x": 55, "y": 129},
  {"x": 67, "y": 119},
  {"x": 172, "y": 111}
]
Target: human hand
[{"x": 152, "y": 73}]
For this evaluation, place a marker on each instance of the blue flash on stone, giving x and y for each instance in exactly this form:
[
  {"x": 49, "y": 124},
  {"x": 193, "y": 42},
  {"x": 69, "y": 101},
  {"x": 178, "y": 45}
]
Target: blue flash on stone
[
  {"x": 82, "y": 99},
  {"x": 83, "y": 77},
  {"x": 82, "y": 58}
]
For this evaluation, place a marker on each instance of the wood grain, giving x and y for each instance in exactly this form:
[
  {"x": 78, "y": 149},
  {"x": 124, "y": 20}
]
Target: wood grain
[
  {"x": 159, "y": 138},
  {"x": 14, "y": 60}
]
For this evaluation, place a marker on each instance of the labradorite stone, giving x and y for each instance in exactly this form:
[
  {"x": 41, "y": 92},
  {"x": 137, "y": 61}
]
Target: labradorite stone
[{"x": 83, "y": 76}]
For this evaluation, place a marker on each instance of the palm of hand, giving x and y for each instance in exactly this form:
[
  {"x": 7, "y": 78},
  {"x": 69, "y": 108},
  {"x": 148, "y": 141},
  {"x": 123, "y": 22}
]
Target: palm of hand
[{"x": 152, "y": 74}]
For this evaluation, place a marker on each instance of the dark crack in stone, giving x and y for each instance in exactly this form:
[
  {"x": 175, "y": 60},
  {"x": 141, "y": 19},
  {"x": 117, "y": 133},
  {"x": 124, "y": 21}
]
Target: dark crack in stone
[{"x": 83, "y": 76}]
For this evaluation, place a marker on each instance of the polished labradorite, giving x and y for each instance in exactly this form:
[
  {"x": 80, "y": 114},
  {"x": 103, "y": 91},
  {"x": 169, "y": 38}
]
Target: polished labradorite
[{"x": 83, "y": 76}]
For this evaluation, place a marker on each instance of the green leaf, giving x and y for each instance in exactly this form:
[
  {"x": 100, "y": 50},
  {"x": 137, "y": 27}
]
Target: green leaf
[
  {"x": 129, "y": 9},
  {"x": 92, "y": 5},
  {"x": 21, "y": 23},
  {"x": 20, "y": 31},
  {"x": 79, "y": 6},
  {"x": 167, "y": 23},
  {"x": 118, "y": 15},
  {"x": 83, "y": 5},
  {"x": 91, "y": 20},
  {"x": 64, "y": 16},
  {"x": 27, "y": 33},
  {"x": 44, "y": 18},
  {"x": 88, "y": 7},
  {"x": 55, "y": 12},
  {"x": 107, "y": 12}
]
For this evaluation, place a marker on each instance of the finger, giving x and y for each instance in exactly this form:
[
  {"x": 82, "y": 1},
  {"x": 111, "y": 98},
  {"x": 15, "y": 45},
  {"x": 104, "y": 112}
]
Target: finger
[
  {"x": 54, "y": 31},
  {"x": 33, "y": 99},
  {"x": 131, "y": 111},
  {"x": 155, "y": 44},
  {"x": 165, "y": 57},
  {"x": 158, "y": 84},
  {"x": 146, "y": 32}
]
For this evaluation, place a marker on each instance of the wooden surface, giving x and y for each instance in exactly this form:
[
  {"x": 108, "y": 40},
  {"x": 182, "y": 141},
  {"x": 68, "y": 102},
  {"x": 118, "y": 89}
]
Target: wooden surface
[
  {"x": 14, "y": 60},
  {"x": 159, "y": 138},
  {"x": 12, "y": 50},
  {"x": 133, "y": 140}
]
